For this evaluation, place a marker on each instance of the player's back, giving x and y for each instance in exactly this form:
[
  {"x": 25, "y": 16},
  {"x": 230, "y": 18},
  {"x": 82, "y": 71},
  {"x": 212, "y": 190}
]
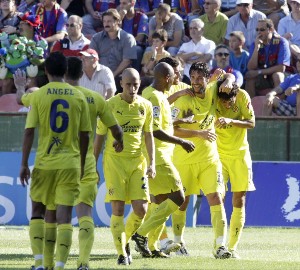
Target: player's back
[{"x": 60, "y": 112}]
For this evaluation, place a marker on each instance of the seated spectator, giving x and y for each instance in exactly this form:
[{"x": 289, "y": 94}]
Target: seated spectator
[
  {"x": 228, "y": 7},
  {"x": 135, "y": 23},
  {"x": 172, "y": 23},
  {"x": 274, "y": 9},
  {"x": 222, "y": 62},
  {"x": 269, "y": 56},
  {"x": 92, "y": 21},
  {"x": 198, "y": 49},
  {"x": 75, "y": 41},
  {"x": 96, "y": 77},
  {"x": 115, "y": 46},
  {"x": 196, "y": 9},
  {"x": 9, "y": 17},
  {"x": 286, "y": 104},
  {"x": 150, "y": 58},
  {"x": 245, "y": 20},
  {"x": 288, "y": 28},
  {"x": 26, "y": 5},
  {"x": 238, "y": 58},
  {"x": 54, "y": 19},
  {"x": 215, "y": 22},
  {"x": 73, "y": 7}
]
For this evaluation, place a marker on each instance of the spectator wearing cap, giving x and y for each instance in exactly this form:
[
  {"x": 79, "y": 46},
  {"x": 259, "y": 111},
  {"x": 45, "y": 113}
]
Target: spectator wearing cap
[
  {"x": 245, "y": 20},
  {"x": 289, "y": 27},
  {"x": 96, "y": 77},
  {"x": 54, "y": 19},
  {"x": 75, "y": 42},
  {"x": 239, "y": 57},
  {"x": 198, "y": 49},
  {"x": 215, "y": 22},
  {"x": 269, "y": 56},
  {"x": 29, "y": 27},
  {"x": 115, "y": 46}
]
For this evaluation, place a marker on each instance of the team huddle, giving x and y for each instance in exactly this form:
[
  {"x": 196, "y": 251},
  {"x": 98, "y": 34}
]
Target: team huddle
[{"x": 160, "y": 148}]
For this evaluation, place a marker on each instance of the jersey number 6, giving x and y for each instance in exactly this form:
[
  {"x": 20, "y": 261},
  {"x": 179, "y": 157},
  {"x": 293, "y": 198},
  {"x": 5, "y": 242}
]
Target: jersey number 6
[{"x": 54, "y": 114}]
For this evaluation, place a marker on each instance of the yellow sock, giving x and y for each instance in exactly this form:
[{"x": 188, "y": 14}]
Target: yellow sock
[
  {"x": 49, "y": 248},
  {"x": 164, "y": 233},
  {"x": 86, "y": 239},
  {"x": 36, "y": 235},
  {"x": 151, "y": 207},
  {"x": 178, "y": 224},
  {"x": 117, "y": 228},
  {"x": 237, "y": 222},
  {"x": 219, "y": 223},
  {"x": 132, "y": 224},
  {"x": 158, "y": 216},
  {"x": 63, "y": 244},
  {"x": 154, "y": 236}
]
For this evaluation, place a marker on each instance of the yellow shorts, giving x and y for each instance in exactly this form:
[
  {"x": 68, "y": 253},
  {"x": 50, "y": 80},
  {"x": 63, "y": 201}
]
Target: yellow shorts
[
  {"x": 88, "y": 189},
  {"x": 55, "y": 187},
  {"x": 239, "y": 173},
  {"x": 125, "y": 178},
  {"x": 167, "y": 180},
  {"x": 206, "y": 176}
]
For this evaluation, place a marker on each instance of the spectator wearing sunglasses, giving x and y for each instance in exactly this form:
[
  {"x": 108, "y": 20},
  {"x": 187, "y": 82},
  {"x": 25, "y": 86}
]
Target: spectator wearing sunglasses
[
  {"x": 269, "y": 56},
  {"x": 75, "y": 42},
  {"x": 222, "y": 53},
  {"x": 245, "y": 20}
]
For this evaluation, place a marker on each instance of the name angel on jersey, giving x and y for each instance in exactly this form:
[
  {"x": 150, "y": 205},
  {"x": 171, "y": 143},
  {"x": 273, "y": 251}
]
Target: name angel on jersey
[
  {"x": 60, "y": 91},
  {"x": 127, "y": 128}
]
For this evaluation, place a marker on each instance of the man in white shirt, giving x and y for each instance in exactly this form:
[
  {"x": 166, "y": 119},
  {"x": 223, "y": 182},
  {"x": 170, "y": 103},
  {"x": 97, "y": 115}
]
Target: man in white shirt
[
  {"x": 96, "y": 77},
  {"x": 198, "y": 49}
]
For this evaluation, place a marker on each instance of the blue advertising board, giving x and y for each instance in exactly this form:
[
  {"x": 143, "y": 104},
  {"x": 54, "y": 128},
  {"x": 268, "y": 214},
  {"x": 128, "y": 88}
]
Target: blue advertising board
[{"x": 276, "y": 201}]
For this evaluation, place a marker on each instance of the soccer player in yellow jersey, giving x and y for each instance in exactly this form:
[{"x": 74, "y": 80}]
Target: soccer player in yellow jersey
[
  {"x": 88, "y": 184},
  {"x": 202, "y": 168},
  {"x": 60, "y": 113},
  {"x": 166, "y": 187},
  {"x": 234, "y": 116},
  {"x": 126, "y": 173}
]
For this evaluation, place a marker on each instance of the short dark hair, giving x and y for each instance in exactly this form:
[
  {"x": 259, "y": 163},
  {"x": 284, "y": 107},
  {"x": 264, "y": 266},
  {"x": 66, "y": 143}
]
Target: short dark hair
[
  {"x": 56, "y": 64},
  {"x": 160, "y": 34},
  {"x": 200, "y": 67},
  {"x": 226, "y": 96},
  {"x": 268, "y": 22},
  {"x": 74, "y": 71},
  {"x": 172, "y": 61}
]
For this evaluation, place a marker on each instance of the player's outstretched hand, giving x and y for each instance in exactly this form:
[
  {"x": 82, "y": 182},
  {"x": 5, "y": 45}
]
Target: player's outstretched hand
[
  {"x": 187, "y": 145},
  {"x": 222, "y": 122},
  {"x": 151, "y": 172},
  {"x": 24, "y": 175},
  {"x": 208, "y": 135},
  {"x": 118, "y": 145},
  {"x": 20, "y": 79}
]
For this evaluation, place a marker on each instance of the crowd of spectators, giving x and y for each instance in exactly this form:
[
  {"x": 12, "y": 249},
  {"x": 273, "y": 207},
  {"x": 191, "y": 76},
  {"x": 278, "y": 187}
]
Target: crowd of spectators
[{"x": 255, "y": 40}]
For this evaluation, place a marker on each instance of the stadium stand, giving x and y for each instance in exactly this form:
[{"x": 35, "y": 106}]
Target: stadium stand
[{"x": 8, "y": 103}]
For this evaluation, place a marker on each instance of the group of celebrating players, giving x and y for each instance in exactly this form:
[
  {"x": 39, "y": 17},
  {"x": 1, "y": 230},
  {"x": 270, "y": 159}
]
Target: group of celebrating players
[{"x": 160, "y": 147}]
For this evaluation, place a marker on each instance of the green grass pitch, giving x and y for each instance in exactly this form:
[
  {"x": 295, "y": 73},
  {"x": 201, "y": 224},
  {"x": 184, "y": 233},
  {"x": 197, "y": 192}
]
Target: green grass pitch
[{"x": 260, "y": 249}]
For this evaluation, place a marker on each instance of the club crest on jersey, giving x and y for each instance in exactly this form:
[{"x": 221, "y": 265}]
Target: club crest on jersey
[
  {"x": 175, "y": 112},
  {"x": 141, "y": 111},
  {"x": 156, "y": 111},
  {"x": 235, "y": 108}
]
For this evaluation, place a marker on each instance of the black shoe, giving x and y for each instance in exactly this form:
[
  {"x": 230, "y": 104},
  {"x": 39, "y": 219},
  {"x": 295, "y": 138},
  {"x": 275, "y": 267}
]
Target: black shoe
[
  {"x": 159, "y": 254},
  {"x": 142, "y": 243},
  {"x": 127, "y": 248},
  {"x": 83, "y": 267},
  {"x": 122, "y": 260}
]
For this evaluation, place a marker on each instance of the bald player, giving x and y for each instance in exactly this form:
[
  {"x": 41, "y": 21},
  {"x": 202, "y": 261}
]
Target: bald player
[
  {"x": 126, "y": 173},
  {"x": 166, "y": 188}
]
